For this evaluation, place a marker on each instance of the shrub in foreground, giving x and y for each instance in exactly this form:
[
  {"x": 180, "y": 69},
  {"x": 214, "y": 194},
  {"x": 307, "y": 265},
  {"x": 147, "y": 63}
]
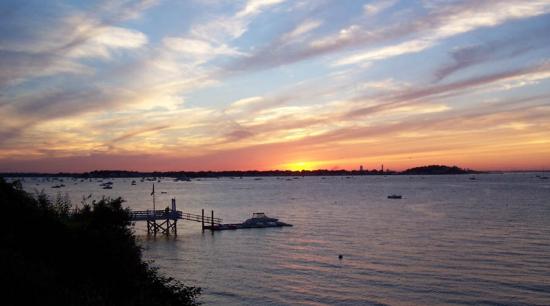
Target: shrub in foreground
[{"x": 88, "y": 257}]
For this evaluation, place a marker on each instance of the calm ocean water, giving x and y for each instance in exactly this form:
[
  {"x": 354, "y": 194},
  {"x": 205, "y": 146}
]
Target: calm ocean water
[{"x": 450, "y": 240}]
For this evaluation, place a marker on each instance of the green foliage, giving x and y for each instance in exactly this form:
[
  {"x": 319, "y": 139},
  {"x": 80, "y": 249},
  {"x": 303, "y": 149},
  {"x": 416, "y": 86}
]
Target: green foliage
[
  {"x": 52, "y": 256},
  {"x": 62, "y": 205}
]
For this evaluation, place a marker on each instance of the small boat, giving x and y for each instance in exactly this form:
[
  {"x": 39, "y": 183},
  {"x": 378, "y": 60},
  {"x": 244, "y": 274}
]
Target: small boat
[
  {"x": 182, "y": 179},
  {"x": 395, "y": 196},
  {"x": 133, "y": 183},
  {"x": 258, "y": 220},
  {"x": 106, "y": 185}
]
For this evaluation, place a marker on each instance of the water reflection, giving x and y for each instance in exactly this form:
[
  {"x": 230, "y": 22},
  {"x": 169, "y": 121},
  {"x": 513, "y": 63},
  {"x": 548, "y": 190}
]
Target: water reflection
[{"x": 449, "y": 240}]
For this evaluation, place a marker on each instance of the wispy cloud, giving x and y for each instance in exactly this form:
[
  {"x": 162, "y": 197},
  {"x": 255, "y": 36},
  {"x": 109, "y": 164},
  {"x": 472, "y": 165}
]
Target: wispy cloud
[
  {"x": 198, "y": 51},
  {"x": 141, "y": 131},
  {"x": 454, "y": 20},
  {"x": 51, "y": 46},
  {"x": 228, "y": 27},
  {"x": 302, "y": 29},
  {"x": 440, "y": 23},
  {"x": 507, "y": 48},
  {"x": 387, "y": 52},
  {"x": 106, "y": 41},
  {"x": 253, "y": 7},
  {"x": 376, "y": 7},
  {"x": 412, "y": 95}
]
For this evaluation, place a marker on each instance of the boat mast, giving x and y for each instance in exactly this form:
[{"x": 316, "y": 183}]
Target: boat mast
[{"x": 153, "y": 194}]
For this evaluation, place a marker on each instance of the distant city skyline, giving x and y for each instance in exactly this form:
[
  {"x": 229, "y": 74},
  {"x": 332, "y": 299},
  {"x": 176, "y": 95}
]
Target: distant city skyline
[{"x": 160, "y": 85}]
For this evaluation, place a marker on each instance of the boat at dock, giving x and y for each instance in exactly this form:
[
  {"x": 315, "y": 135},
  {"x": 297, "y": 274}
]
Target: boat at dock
[
  {"x": 258, "y": 220},
  {"x": 106, "y": 185}
]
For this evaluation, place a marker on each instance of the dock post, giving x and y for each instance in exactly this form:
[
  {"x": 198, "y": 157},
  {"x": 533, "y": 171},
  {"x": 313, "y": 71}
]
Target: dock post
[
  {"x": 203, "y": 219},
  {"x": 174, "y": 215},
  {"x": 212, "y": 221}
]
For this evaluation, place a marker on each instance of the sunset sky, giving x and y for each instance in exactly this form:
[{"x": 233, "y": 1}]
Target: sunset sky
[{"x": 274, "y": 84}]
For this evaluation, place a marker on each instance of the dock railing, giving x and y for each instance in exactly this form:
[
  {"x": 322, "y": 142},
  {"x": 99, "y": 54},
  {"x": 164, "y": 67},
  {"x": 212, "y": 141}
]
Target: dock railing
[{"x": 149, "y": 215}]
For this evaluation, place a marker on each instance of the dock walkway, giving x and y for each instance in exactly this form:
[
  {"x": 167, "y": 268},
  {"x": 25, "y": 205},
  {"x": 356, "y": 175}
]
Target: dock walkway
[
  {"x": 165, "y": 221},
  {"x": 144, "y": 215}
]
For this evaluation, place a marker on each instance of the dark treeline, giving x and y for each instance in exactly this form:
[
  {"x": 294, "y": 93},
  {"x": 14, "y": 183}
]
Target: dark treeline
[
  {"x": 438, "y": 170},
  {"x": 51, "y": 255},
  {"x": 200, "y": 174},
  {"x": 427, "y": 170}
]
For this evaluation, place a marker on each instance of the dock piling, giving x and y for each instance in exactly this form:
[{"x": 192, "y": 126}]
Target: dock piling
[
  {"x": 212, "y": 220},
  {"x": 202, "y": 220}
]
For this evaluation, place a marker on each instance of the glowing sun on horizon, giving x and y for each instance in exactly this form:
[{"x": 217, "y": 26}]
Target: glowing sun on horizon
[{"x": 301, "y": 165}]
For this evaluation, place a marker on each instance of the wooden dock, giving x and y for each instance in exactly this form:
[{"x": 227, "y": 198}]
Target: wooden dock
[{"x": 166, "y": 221}]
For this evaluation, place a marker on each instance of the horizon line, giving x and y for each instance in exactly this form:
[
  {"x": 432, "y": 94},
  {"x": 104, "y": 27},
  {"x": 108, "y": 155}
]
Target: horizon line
[{"x": 260, "y": 171}]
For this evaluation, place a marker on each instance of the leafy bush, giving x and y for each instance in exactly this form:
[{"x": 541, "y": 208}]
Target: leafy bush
[{"x": 52, "y": 256}]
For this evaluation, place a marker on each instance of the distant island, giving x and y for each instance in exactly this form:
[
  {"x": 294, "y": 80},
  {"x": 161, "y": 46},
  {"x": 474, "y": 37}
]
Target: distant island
[
  {"x": 438, "y": 170},
  {"x": 424, "y": 170}
]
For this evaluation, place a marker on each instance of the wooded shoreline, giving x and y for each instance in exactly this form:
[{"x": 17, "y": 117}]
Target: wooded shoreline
[{"x": 424, "y": 170}]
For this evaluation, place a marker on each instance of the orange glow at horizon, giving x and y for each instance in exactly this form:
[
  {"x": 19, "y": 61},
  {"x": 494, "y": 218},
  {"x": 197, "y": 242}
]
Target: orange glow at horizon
[{"x": 300, "y": 165}]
